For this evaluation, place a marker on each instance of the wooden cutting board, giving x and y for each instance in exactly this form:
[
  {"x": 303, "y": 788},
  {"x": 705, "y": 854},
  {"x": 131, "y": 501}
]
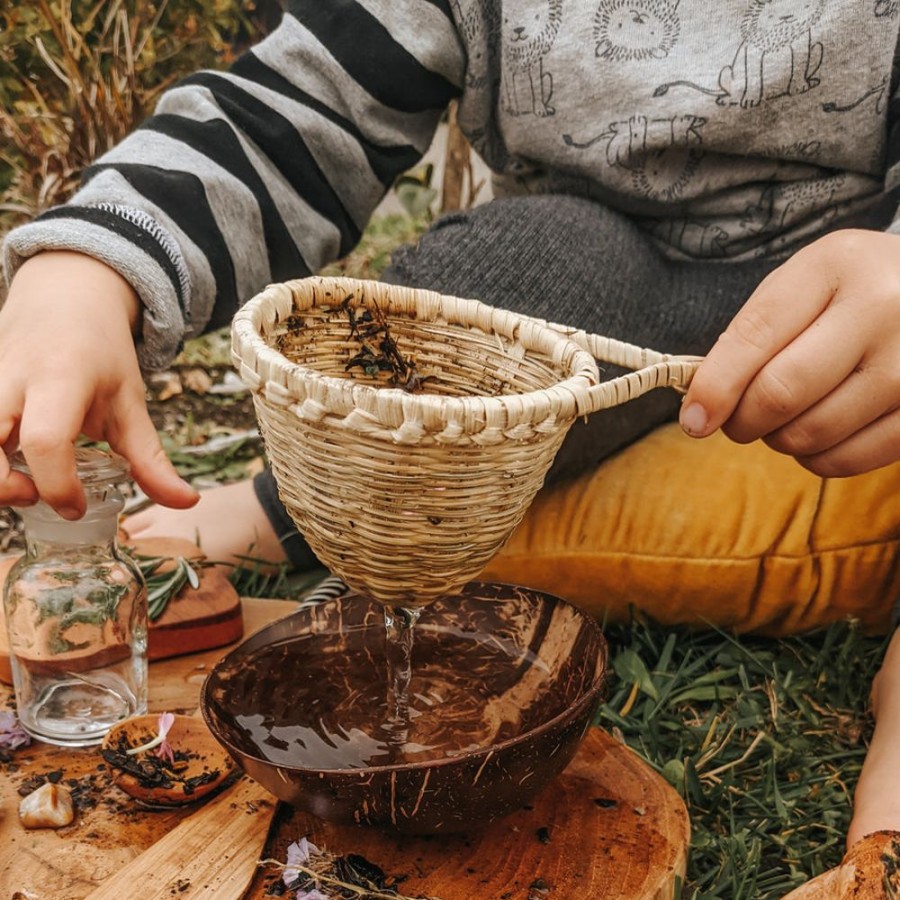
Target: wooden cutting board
[
  {"x": 196, "y": 619},
  {"x": 212, "y": 853}
]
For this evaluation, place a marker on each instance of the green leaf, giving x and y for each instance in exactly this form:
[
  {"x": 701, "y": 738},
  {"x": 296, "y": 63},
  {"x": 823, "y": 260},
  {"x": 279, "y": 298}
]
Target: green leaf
[
  {"x": 673, "y": 772},
  {"x": 416, "y": 199},
  {"x": 630, "y": 667}
]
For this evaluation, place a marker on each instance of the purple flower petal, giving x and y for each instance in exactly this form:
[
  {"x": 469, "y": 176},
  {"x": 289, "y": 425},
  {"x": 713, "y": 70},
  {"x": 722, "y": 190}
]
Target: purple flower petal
[
  {"x": 166, "y": 721},
  {"x": 12, "y": 734},
  {"x": 165, "y": 751},
  {"x": 298, "y": 854}
]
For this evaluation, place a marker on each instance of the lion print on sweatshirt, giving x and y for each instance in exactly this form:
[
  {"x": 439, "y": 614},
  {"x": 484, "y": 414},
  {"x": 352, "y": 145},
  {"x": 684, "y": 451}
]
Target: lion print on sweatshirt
[
  {"x": 528, "y": 34},
  {"x": 627, "y": 30},
  {"x": 777, "y": 56}
]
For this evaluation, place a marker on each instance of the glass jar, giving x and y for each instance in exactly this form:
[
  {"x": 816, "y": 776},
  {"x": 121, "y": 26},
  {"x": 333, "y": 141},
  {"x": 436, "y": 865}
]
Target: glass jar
[{"x": 76, "y": 615}]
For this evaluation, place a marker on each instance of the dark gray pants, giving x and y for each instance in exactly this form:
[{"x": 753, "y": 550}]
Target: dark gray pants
[{"x": 571, "y": 261}]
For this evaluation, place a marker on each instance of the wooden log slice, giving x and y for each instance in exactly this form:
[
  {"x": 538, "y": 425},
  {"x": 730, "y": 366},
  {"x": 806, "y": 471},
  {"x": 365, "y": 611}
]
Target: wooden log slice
[{"x": 608, "y": 827}]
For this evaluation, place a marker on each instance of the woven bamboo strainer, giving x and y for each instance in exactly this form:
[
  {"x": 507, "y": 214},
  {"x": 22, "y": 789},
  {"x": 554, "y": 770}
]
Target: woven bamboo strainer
[{"x": 407, "y": 494}]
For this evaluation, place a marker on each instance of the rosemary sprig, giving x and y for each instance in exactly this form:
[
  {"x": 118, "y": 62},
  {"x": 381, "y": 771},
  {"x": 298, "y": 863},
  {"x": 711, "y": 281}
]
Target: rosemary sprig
[{"x": 164, "y": 584}]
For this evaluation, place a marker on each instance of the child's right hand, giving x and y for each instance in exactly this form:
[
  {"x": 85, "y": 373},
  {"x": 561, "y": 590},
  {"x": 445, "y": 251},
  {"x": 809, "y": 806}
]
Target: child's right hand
[
  {"x": 68, "y": 367},
  {"x": 809, "y": 364}
]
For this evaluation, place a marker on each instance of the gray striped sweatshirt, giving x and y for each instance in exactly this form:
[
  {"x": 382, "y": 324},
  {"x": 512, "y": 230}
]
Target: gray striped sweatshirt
[{"x": 727, "y": 129}]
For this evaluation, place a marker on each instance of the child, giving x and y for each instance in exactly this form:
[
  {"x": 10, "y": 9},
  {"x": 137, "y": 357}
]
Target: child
[{"x": 656, "y": 163}]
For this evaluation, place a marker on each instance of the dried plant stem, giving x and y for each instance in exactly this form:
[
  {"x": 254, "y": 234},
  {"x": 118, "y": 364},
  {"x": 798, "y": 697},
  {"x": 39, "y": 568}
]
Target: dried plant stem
[
  {"x": 95, "y": 70},
  {"x": 737, "y": 762},
  {"x": 363, "y": 892},
  {"x": 632, "y": 697}
]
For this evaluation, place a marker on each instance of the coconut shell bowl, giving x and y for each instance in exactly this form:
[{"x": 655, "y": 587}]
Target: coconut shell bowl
[{"x": 505, "y": 683}]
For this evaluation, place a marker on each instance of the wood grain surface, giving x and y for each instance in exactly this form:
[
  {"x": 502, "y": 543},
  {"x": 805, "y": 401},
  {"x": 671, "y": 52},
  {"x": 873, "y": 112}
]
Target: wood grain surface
[
  {"x": 70, "y": 863},
  {"x": 212, "y": 853},
  {"x": 609, "y": 827}
]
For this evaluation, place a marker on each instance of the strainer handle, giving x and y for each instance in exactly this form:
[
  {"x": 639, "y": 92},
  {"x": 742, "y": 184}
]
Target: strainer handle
[
  {"x": 651, "y": 369},
  {"x": 674, "y": 372}
]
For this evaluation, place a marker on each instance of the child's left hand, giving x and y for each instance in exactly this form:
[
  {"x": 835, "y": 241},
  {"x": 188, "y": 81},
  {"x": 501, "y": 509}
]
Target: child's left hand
[{"x": 811, "y": 364}]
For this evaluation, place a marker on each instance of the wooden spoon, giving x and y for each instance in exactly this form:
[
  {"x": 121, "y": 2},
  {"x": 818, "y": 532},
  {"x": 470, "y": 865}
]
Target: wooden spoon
[{"x": 204, "y": 755}]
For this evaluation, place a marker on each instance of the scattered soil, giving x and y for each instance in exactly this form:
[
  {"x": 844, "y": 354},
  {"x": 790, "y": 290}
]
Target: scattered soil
[
  {"x": 201, "y": 413},
  {"x": 87, "y": 791}
]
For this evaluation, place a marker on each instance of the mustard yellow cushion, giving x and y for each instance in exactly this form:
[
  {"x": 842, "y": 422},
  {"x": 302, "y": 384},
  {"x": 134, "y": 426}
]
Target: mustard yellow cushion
[{"x": 698, "y": 532}]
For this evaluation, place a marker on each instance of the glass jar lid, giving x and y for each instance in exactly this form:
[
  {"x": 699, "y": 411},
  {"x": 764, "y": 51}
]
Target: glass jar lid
[{"x": 93, "y": 466}]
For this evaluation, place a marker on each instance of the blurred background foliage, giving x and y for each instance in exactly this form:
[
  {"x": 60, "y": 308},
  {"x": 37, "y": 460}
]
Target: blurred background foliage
[{"x": 78, "y": 75}]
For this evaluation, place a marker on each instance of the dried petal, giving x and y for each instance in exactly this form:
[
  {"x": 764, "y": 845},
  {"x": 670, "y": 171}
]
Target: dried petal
[
  {"x": 165, "y": 751},
  {"x": 166, "y": 721},
  {"x": 298, "y": 854},
  {"x": 12, "y": 734}
]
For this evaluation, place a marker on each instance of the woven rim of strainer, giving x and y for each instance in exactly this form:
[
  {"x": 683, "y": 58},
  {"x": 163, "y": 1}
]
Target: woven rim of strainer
[
  {"x": 313, "y": 395},
  {"x": 285, "y": 382}
]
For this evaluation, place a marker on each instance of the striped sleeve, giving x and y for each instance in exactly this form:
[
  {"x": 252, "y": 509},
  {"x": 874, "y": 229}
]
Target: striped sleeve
[{"x": 263, "y": 172}]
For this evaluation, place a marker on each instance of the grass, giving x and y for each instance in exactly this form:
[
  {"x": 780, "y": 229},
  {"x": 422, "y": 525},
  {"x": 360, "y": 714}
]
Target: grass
[
  {"x": 763, "y": 738},
  {"x": 77, "y": 76},
  {"x": 384, "y": 234}
]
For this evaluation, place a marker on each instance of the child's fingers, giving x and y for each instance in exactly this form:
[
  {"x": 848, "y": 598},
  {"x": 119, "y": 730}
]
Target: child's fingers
[
  {"x": 16, "y": 489},
  {"x": 868, "y": 448},
  {"x": 822, "y": 365},
  {"x": 133, "y": 434},
  {"x": 855, "y": 404},
  {"x": 784, "y": 305},
  {"x": 9, "y": 441},
  {"x": 47, "y": 434}
]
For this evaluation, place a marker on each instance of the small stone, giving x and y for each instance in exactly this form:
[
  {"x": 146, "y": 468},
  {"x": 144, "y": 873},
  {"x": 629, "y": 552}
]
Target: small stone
[{"x": 50, "y": 806}]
